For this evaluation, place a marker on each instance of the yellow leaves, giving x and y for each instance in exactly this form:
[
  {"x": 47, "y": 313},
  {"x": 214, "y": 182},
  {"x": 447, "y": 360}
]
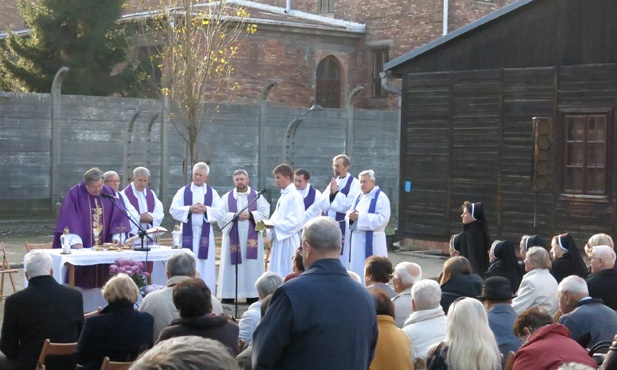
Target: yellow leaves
[
  {"x": 251, "y": 28},
  {"x": 205, "y": 22}
]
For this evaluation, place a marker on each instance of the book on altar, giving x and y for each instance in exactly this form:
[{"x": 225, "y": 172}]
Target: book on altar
[{"x": 156, "y": 230}]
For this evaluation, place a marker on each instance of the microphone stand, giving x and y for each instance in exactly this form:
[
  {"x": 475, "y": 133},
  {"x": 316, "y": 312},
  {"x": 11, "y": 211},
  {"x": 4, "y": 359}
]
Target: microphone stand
[
  {"x": 142, "y": 232},
  {"x": 235, "y": 220}
]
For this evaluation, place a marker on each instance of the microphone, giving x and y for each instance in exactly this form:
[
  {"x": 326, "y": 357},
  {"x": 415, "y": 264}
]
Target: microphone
[
  {"x": 262, "y": 191},
  {"x": 108, "y": 196}
]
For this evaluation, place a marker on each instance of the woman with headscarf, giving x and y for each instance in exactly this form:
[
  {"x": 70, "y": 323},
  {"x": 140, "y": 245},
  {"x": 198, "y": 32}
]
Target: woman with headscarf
[
  {"x": 504, "y": 263},
  {"x": 455, "y": 245},
  {"x": 528, "y": 241},
  {"x": 475, "y": 240},
  {"x": 566, "y": 258}
]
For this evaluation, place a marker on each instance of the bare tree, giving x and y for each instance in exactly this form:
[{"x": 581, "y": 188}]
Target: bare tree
[{"x": 193, "y": 43}]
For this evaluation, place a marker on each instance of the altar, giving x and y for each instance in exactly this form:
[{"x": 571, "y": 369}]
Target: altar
[{"x": 63, "y": 263}]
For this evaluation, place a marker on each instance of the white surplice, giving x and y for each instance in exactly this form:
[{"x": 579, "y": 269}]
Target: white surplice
[
  {"x": 250, "y": 269},
  {"x": 341, "y": 203},
  {"x": 157, "y": 214},
  {"x": 180, "y": 212},
  {"x": 287, "y": 219},
  {"x": 375, "y": 222},
  {"x": 313, "y": 209}
]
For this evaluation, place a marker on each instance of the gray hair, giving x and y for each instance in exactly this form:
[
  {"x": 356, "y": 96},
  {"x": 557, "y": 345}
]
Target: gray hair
[
  {"x": 403, "y": 273},
  {"x": 426, "y": 294},
  {"x": 38, "y": 263},
  {"x": 322, "y": 233},
  {"x": 267, "y": 283},
  {"x": 240, "y": 172},
  {"x": 141, "y": 171},
  {"x": 573, "y": 284},
  {"x": 187, "y": 352},
  {"x": 108, "y": 174},
  {"x": 605, "y": 252},
  {"x": 539, "y": 258},
  {"x": 182, "y": 264},
  {"x": 201, "y": 166},
  {"x": 120, "y": 288},
  {"x": 92, "y": 175},
  {"x": 367, "y": 173}
]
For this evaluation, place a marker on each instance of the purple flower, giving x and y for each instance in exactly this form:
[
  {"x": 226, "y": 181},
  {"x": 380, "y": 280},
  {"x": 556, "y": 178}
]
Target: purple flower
[
  {"x": 113, "y": 270},
  {"x": 146, "y": 274},
  {"x": 122, "y": 270},
  {"x": 120, "y": 262},
  {"x": 135, "y": 269},
  {"x": 130, "y": 273},
  {"x": 132, "y": 262},
  {"x": 141, "y": 265}
]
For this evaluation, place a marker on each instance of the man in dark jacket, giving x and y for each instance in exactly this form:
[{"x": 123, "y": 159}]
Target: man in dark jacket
[
  {"x": 602, "y": 282},
  {"x": 43, "y": 310},
  {"x": 588, "y": 319},
  {"x": 322, "y": 319}
]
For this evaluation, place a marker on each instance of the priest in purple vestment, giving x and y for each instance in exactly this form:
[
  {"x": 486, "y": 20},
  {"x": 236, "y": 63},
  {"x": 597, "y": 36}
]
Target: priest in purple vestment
[{"x": 91, "y": 216}]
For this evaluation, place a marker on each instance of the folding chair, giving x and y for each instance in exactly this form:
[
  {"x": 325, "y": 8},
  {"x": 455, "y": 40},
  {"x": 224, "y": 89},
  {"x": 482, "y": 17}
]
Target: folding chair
[
  {"x": 31, "y": 246},
  {"x": 6, "y": 269},
  {"x": 54, "y": 349},
  {"x": 115, "y": 365}
]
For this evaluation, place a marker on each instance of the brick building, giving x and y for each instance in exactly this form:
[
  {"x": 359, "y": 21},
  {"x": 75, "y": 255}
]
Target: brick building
[{"x": 329, "y": 48}]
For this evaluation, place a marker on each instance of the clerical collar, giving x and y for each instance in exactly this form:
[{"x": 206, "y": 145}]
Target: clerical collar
[{"x": 242, "y": 193}]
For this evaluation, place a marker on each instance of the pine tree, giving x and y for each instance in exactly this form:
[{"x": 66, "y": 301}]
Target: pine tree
[{"x": 80, "y": 34}]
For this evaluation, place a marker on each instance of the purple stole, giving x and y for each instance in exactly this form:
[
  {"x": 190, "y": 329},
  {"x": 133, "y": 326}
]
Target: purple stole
[
  {"x": 187, "y": 228},
  {"x": 128, "y": 191},
  {"x": 368, "y": 248},
  {"x": 310, "y": 197},
  {"x": 234, "y": 237},
  {"x": 340, "y": 217}
]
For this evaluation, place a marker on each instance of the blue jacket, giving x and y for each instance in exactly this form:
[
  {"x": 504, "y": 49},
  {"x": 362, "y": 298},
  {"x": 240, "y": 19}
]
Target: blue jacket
[
  {"x": 320, "y": 320},
  {"x": 501, "y": 320}
]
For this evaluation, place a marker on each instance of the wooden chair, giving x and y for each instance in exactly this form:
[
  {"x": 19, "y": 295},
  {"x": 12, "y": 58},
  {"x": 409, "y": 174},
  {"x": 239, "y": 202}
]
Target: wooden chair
[
  {"x": 54, "y": 349},
  {"x": 31, "y": 246},
  {"x": 557, "y": 316},
  {"x": 509, "y": 361},
  {"x": 93, "y": 313},
  {"x": 6, "y": 269},
  {"x": 115, "y": 365}
]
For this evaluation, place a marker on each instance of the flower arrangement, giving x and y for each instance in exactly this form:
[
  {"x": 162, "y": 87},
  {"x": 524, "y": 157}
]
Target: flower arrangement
[{"x": 135, "y": 269}]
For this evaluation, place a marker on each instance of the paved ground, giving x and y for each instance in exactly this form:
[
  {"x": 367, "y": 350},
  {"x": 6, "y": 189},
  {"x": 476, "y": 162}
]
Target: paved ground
[{"x": 15, "y": 233}]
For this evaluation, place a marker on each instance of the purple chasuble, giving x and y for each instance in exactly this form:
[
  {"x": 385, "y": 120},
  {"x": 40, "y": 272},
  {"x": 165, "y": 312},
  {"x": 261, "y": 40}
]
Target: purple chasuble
[
  {"x": 310, "y": 197},
  {"x": 128, "y": 191},
  {"x": 76, "y": 213},
  {"x": 368, "y": 248},
  {"x": 339, "y": 217},
  {"x": 187, "y": 228},
  {"x": 252, "y": 241}
]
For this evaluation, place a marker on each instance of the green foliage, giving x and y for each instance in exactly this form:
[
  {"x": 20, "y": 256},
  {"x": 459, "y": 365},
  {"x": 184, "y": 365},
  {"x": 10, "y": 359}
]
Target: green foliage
[{"x": 79, "y": 34}]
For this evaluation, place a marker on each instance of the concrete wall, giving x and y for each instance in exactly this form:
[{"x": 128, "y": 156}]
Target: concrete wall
[{"x": 94, "y": 131}]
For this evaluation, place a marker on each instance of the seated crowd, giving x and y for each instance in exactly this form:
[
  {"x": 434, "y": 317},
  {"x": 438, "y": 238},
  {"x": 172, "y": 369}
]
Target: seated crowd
[{"x": 532, "y": 308}]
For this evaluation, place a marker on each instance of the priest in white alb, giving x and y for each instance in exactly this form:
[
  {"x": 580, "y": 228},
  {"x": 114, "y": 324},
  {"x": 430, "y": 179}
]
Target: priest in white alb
[
  {"x": 287, "y": 221},
  {"x": 192, "y": 206},
  {"x": 338, "y": 197},
  {"x": 242, "y": 245},
  {"x": 367, "y": 220}
]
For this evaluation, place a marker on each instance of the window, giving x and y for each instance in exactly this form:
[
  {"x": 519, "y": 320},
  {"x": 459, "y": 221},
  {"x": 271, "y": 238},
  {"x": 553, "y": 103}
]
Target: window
[
  {"x": 326, "y": 6},
  {"x": 585, "y": 154},
  {"x": 329, "y": 83},
  {"x": 380, "y": 57}
]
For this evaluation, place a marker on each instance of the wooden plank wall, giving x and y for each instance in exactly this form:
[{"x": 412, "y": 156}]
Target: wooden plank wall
[{"x": 467, "y": 135}]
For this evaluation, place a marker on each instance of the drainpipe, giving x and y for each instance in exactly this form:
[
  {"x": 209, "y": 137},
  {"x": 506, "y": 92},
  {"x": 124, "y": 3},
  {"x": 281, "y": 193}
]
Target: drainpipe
[
  {"x": 394, "y": 90},
  {"x": 288, "y": 7},
  {"x": 445, "y": 16}
]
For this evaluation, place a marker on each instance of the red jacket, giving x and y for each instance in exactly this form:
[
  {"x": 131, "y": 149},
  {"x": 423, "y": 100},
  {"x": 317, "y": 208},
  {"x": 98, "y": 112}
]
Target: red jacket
[{"x": 548, "y": 348}]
